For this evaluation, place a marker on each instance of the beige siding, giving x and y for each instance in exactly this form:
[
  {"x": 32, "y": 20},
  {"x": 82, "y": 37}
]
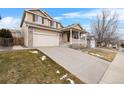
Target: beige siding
[
  {"x": 25, "y": 33},
  {"x": 65, "y": 37},
  {"x": 59, "y": 26},
  {"x": 46, "y": 31},
  {"x": 46, "y": 22},
  {"x": 29, "y": 17},
  {"x": 77, "y": 27},
  {"x": 38, "y": 13},
  {"x": 54, "y": 24}
]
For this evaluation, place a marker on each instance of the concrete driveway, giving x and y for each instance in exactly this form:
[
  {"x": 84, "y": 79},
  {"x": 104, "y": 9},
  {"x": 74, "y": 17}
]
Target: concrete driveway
[
  {"x": 87, "y": 68},
  {"x": 115, "y": 72}
]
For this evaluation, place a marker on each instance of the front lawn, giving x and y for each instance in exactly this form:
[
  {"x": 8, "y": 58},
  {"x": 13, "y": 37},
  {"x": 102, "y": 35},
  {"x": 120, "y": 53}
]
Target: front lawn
[
  {"x": 102, "y": 53},
  {"x": 32, "y": 67}
]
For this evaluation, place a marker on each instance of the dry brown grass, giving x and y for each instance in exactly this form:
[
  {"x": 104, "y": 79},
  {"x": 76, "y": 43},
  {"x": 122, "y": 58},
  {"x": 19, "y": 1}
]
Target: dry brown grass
[
  {"x": 101, "y": 53},
  {"x": 25, "y": 67}
]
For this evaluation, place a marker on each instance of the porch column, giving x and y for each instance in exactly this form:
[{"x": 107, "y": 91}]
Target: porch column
[
  {"x": 79, "y": 37},
  {"x": 70, "y": 36},
  {"x": 85, "y": 37}
]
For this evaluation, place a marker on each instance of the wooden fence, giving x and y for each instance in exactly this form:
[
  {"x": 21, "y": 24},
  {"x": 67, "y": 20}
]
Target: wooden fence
[
  {"x": 6, "y": 41},
  {"x": 18, "y": 41},
  {"x": 11, "y": 41}
]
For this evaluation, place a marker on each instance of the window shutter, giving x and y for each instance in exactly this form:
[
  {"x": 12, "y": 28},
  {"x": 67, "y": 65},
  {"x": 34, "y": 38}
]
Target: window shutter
[
  {"x": 33, "y": 17},
  {"x": 42, "y": 20},
  {"x": 56, "y": 25}
]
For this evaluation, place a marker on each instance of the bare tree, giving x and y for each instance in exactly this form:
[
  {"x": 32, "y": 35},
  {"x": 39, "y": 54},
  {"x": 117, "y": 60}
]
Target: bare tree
[{"x": 105, "y": 27}]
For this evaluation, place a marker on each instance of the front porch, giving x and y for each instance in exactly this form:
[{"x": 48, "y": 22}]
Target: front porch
[{"x": 72, "y": 35}]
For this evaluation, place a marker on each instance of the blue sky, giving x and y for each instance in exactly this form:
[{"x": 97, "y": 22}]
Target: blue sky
[
  {"x": 11, "y": 16},
  {"x": 14, "y": 16},
  {"x": 69, "y": 16}
]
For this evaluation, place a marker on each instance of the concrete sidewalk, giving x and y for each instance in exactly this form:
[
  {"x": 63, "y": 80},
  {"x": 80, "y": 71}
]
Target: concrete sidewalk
[
  {"x": 115, "y": 72},
  {"x": 87, "y": 68}
]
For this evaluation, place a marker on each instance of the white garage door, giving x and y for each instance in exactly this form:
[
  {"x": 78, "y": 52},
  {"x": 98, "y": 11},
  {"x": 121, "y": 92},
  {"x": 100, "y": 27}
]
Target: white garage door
[{"x": 45, "y": 39}]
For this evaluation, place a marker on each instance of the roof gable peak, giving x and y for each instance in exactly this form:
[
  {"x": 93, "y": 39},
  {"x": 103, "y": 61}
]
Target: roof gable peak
[{"x": 40, "y": 11}]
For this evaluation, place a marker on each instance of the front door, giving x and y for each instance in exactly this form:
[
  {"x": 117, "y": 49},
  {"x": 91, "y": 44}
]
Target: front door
[{"x": 30, "y": 37}]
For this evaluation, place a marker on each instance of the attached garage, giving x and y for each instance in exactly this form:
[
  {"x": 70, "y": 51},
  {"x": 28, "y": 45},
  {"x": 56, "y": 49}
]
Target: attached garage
[
  {"x": 39, "y": 29},
  {"x": 45, "y": 39}
]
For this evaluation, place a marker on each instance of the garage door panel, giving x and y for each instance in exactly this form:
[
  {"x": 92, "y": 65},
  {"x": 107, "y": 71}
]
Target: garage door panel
[{"x": 45, "y": 40}]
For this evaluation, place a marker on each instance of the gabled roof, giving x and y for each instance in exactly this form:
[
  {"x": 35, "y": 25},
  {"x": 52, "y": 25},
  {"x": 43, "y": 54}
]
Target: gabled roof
[
  {"x": 74, "y": 26},
  {"x": 31, "y": 11},
  {"x": 44, "y": 13}
]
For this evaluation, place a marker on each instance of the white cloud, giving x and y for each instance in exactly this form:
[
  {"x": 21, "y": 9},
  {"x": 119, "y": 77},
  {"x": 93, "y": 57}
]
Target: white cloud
[
  {"x": 9, "y": 22},
  {"x": 93, "y": 13},
  {"x": 73, "y": 15},
  {"x": 58, "y": 18},
  {"x": 69, "y": 15},
  {"x": 90, "y": 14},
  {"x": 78, "y": 14}
]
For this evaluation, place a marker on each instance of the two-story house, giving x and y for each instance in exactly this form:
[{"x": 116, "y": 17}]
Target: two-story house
[{"x": 39, "y": 29}]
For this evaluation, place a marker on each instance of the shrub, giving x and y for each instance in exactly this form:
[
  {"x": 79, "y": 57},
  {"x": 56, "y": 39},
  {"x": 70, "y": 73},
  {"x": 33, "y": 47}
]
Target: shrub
[
  {"x": 6, "y": 38},
  {"x": 5, "y": 33}
]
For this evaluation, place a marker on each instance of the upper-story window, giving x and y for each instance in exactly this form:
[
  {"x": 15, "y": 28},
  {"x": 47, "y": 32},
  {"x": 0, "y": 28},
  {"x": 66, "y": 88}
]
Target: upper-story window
[
  {"x": 38, "y": 19},
  {"x": 51, "y": 23}
]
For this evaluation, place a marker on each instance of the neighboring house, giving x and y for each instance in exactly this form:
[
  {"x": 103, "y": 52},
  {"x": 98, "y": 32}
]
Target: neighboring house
[
  {"x": 16, "y": 33},
  {"x": 17, "y": 36},
  {"x": 40, "y": 29}
]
